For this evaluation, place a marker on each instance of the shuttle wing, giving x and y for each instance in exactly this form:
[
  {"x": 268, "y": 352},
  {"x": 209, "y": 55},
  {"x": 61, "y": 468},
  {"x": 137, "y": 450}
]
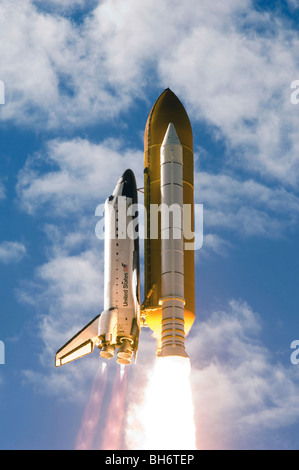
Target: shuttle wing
[{"x": 79, "y": 345}]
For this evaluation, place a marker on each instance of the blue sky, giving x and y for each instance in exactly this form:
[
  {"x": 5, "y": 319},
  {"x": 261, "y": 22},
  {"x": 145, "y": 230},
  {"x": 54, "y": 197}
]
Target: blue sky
[{"x": 80, "y": 79}]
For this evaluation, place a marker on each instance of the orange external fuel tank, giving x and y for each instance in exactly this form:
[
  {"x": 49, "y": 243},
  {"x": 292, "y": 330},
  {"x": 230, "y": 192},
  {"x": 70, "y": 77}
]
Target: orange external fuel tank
[{"x": 167, "y": 109}]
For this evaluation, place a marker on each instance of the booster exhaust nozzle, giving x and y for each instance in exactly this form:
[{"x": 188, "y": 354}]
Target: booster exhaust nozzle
[{"x": 173, "y": 350}]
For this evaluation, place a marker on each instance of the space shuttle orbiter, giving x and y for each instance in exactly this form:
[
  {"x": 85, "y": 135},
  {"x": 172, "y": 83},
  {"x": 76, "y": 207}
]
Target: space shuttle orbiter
[
  {"x": 118, "y": 326},
  {"x": 168, "y": 308}
]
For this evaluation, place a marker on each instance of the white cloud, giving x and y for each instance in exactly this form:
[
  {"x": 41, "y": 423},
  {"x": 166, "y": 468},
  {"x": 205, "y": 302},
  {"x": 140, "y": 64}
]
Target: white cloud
[
  {"x": 72, "y": 288},
  {"x": 245, "y": 206},
  {"x": 293, "y": 3},
  {"x": 27, "y": 68},
  {"x": 85, "y": 173},
  {"x": 67, "y": 292},
  {"x": 213, "y": 243},
  {"x": 243, "y": 390},
  {"x": 63, "y": 383},
  {"x": 62, "y": 5},
  {"x": 2, "y": 191},
  {"x": 230, "y": 64},
  {"x": 243, "y": 396},
  {"x": 49, "y": 69},
  {"x": 236, "y": 79},
  {"x": 11, "y": 252},
  {"x": 79, "y": 178},
  {"x": 240, "y": 391},
  {"x": 239, "y": 81}
]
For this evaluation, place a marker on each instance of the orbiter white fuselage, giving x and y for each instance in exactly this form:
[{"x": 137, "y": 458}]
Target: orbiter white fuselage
[{"x": 118, "y": 326}]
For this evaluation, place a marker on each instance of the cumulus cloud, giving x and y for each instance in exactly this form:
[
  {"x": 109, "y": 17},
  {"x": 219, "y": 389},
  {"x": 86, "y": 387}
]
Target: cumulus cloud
[
  {"x": 2, "y": 191},
  {"x": 66, "y": 292},
  {"x": 83, "y": 174},
  {"x": 239, "y": 82},
  {"x": 77, "y": 179},
  {"x": 213, "y": 243},
  {"x": 11, "y": 252},
  {"x": 72, "y": 288},
  {"x": 239, "y": 390},
  {"x": 293, "y": 3},
  {"x": 232, "y": 67},
  {"x": 63, "y": 383},
  {"x": 64, "y": 5},
  {"x": 246, "y": 207},
  {"x": 231, "y": 64},
  {"x": 244, "y": 392},
  {"x": 49, "y": 70},
  {"x": 65, "y": 73}
]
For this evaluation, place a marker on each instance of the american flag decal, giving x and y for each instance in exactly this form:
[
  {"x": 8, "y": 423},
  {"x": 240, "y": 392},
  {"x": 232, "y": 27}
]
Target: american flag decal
[{"x": 125, "y": 268}]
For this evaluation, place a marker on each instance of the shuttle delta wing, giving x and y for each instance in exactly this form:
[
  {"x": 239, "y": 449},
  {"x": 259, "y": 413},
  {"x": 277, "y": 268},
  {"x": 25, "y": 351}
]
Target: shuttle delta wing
[{"x": 81, "y": 344}]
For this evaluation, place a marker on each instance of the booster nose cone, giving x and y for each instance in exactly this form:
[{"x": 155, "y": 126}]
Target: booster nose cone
[{"x": 171, "y": 137}]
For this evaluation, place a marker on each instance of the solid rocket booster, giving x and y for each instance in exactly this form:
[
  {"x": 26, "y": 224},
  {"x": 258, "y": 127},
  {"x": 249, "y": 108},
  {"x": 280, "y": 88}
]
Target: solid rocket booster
[
  {"x": 172, "y": 246},
  {"x": 168, "y": 109}
]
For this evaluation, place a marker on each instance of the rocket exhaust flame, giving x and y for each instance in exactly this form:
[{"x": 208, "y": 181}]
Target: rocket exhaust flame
[
  {"x": 112, "y": 435},
  {"x": 122, "y": 371},
  {"x": 165, "y": 420},
  {"x": 92, "y": 413}
]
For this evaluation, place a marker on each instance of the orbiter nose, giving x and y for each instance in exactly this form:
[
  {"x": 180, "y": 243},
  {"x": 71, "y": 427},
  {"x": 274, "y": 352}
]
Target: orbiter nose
[{"x": 126, "y": 185}]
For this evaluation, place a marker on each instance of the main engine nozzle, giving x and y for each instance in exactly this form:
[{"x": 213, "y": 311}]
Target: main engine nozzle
[
  {"x": 107, "y": 351},
  {"x": 125, "y": 351}
]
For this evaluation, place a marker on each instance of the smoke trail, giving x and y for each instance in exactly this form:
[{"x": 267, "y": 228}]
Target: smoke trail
[
  {"x": 165, "y": 419},
  {"x": 93, "y": 410},
  {"x": 113, "y": 433}
]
